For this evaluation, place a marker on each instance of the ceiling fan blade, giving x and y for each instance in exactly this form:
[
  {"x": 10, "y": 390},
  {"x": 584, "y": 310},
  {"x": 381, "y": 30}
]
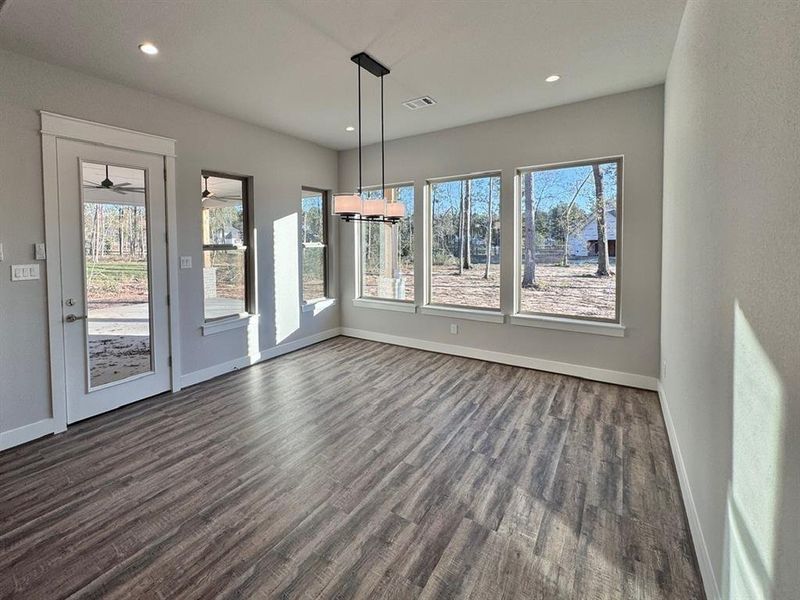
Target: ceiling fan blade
[{"x": 122, "y": 184}]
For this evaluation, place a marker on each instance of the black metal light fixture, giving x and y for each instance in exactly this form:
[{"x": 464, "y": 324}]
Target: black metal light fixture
[
  {"x": 107, "y": 183},
  {"x": 351, "y": 207}
]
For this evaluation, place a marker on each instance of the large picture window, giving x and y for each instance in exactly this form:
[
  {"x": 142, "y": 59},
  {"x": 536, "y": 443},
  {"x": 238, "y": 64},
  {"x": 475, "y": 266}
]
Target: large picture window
[
  {"x": 465, "y": 242},
  {"x": 314, "y": 239},
  {"x": 226, "y": 235},
  {"x": 571, "y": 239},
  {"x": 387, "y": 251}
]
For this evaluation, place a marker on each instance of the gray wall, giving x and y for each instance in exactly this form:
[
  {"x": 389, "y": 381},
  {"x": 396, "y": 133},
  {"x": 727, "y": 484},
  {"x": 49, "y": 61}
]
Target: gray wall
[
  {"x": 279, "y": 164},
  {"x": 731, "y": 286},
  {"x": 629, "y": 124}
]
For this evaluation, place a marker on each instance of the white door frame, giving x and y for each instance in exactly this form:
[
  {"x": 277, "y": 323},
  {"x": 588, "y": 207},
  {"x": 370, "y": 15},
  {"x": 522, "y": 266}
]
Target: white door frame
[{"x": 54, "y": 127}]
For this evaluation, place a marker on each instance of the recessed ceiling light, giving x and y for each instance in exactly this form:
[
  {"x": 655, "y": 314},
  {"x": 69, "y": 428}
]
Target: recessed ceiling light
[
  {"x": 349, "y": 128},
  {"x": 148, "y": 48},
  {"x": 552, "y": 78}
]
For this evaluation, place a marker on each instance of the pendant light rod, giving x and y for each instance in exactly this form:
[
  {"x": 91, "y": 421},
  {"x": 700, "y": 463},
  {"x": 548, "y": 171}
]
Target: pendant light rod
[
  {"x": 358, "y": 62},
  {"x": 383, "y": 151},
  {"x": 346, "y": 205},
  {"x": 365, "y": 61}
]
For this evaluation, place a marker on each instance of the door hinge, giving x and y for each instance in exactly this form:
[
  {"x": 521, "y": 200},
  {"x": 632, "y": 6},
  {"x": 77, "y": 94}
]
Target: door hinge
[
  {"x": 167, "y": 299},
  {"x": 165, "y": 175},
  {"x": 169, "y": 361}
]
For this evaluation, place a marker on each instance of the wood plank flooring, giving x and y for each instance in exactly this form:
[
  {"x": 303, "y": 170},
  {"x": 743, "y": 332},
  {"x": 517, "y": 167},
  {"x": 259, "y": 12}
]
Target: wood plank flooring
[{"x": 353, "y": 469}]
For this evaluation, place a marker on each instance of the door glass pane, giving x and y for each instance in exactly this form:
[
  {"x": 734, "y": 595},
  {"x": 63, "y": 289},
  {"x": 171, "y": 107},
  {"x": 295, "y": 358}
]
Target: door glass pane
[{"x": 116, "y": 273}]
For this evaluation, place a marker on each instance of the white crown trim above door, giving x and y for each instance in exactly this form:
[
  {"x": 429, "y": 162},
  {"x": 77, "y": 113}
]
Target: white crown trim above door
[{"x": 53, "y": 128}]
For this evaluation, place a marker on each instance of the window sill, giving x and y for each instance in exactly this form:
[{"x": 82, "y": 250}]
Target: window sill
[
  {"x": 471, "y": 314},
  {"x": 565, "y": 324},
  {"x": 317, "y": 306},
  {"x": 396, "y": 305},
  {"x": 227, "y": 323}
]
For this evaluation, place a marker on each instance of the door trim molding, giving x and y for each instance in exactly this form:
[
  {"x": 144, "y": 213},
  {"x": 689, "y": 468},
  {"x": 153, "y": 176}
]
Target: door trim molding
[
  {"x": 54, "y": 127},
  {"x": 81, "y": 130}
]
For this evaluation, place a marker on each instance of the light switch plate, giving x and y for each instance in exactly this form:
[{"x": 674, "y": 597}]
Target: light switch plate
[
  {"x": 454, "y": 328},
  {"x": 186, "y": 262},
  {"x": 24, "y": 272},
  {"x": 39, "y": 252}
]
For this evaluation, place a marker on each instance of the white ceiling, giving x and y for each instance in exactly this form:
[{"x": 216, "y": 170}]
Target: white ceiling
[{"x": 285, "y": 64}]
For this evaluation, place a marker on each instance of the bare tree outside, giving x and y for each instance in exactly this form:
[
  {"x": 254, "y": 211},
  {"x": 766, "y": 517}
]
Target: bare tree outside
[
  {"x": 489, "y": 225},
  {"x": 569, "y": 240},
  {"x": 568, "y": 222},
  {"x": 465, "y": 242},
  {"x": 467, "y": 231},
  {"x": 529, "y": 233},
  {"x": 600, "y": 214}
]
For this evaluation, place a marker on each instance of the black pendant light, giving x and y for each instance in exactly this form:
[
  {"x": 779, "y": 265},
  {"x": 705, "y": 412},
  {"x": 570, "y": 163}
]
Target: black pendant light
[{"x": 351, "y": 207}]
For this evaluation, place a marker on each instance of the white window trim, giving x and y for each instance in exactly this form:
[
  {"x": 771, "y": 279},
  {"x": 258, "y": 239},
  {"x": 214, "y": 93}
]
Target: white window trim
[
  {"x": 566, "y": 324},
  {"x": 227, "y": 323},
  {"x": 318, "y": 305},
  {"x": 370, "y": 301},
  {"x": 405, "y": 306},
  {"x": 470, "y": 314},
  {"x": 452, "y": 310},
  {"x": 325, "y": 244}
]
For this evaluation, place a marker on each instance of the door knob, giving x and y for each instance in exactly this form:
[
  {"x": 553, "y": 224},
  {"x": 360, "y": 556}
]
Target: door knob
[{"x": 73, "y": 318}]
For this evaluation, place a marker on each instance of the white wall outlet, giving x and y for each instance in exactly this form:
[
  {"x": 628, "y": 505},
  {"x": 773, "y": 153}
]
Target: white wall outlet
[
  {"x": 663, "y": 369},
  {"x": 39, "y": 252},
  {"x": 453, "y": 328},
  {"x": 186, "y": 262},
  {"x": 24, "y": 272},
  {"x": 2, "y": 257}
]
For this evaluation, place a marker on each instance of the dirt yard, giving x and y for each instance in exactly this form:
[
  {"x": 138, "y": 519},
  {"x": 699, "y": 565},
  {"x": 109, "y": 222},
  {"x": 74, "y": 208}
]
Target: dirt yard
[
  {"x": 467, "y": 289},
  {"x": 573, "y": 291},
  {"x": 570, "y": 291}
]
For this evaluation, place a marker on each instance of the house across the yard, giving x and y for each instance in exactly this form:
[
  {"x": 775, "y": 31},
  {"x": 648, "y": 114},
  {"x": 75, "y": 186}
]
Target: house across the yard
[{"x": 584, "y": 241}]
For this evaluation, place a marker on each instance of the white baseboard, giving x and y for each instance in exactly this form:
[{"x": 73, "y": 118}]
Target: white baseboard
[
  {"x": 700, "y": 547},
  {"x": 517, "y": 360},
  {"x": 201, "y": 375},
  {"x": 26, "y": 433}
]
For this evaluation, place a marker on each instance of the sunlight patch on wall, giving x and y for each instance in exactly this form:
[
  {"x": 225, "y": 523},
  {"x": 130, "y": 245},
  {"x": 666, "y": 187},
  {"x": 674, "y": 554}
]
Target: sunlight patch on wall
[
  {"x": 755, "y": 489},
  {"x": 287, "y": 276}
]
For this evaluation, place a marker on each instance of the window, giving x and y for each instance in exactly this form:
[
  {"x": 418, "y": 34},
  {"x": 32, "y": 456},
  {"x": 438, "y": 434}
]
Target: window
[
  {"x": 314, "y": 237},
  {"x": 465, "y": 242},
  {"x": 571, "y": 240},
  {"x": 226, "y": 237},
  {"x": 387, "y": 251}
]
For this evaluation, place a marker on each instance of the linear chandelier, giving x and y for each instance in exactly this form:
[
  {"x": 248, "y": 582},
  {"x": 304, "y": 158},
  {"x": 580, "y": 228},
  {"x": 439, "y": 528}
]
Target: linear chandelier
[{"x": 352, "y": 207}]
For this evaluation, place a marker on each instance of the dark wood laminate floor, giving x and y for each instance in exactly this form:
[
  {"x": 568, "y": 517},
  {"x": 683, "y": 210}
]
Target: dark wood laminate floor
[{"x": 353, "y": 469}]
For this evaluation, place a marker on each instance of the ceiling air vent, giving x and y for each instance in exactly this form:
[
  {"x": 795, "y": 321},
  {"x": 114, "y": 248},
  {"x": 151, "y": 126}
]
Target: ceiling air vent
[{"x": 419, "y": 102}]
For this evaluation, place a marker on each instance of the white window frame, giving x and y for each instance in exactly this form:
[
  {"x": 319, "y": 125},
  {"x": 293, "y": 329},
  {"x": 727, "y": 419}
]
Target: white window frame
[
  {"x": 361, "y": 301},
  {"x": 456, "y": 311},
  {"x": 316, "y": 304},
  {"x": 242, "y": 319},
  {"x": 612, "y": 327}
]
